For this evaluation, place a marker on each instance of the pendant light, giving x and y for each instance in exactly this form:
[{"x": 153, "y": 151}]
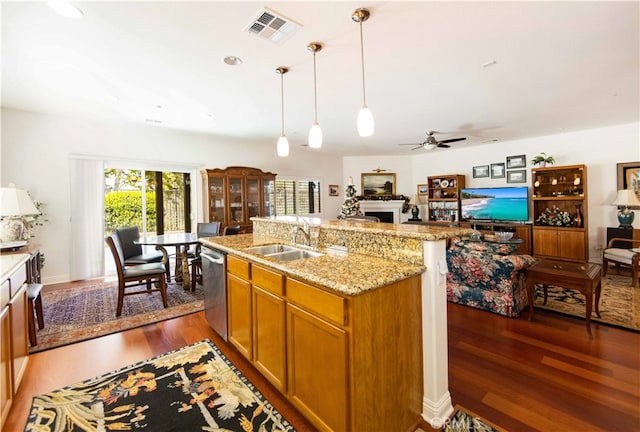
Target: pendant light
[
  {"x": 283, "y": 142},
  {"x": 315, "y": 133},
  {"x": 365, "y": 118}
]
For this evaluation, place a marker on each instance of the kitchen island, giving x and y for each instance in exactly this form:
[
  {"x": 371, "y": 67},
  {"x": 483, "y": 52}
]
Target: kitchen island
[{"x": 357, "y": 335}]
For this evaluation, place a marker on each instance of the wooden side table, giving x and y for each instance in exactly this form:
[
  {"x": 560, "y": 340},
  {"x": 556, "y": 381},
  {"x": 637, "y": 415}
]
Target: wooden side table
[{"x": 583, "y": 277}]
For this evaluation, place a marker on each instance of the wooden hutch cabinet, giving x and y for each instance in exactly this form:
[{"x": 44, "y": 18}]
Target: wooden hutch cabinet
[
  {"x": 560, "y": 189},
  {"x": 444, "y": 198},
  {"x": 236, "y": 194}
]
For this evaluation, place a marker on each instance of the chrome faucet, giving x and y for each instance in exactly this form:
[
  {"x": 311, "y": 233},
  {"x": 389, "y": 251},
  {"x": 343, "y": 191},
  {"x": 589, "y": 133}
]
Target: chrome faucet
[{"x": 306, "y": 232}]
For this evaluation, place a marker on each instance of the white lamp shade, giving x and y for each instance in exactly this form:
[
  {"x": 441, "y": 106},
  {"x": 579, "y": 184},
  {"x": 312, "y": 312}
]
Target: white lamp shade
[
  {"x": 626, "y": 198},
  {"x": 315, "y": 136},
  {"x": 16, "y": 202},
  {"x": 365, "y": 122},
  {"x": 283, "y": 146}
]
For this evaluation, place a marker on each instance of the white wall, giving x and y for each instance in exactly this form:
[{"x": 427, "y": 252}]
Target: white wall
[
  {"x": 36, "y": 150},
  {"x": 600, "y": 149}
]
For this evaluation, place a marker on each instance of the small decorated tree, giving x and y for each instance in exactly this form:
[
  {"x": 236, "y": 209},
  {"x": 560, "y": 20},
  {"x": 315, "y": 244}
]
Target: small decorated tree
[{"x": 351, "y": 206}]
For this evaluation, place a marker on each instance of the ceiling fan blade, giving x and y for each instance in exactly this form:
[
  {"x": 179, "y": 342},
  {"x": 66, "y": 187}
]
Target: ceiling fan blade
[
  {"x": 452, "y": 140},
  {"x": 443, "y": 145},
  {"x": 419, "y": 146}
]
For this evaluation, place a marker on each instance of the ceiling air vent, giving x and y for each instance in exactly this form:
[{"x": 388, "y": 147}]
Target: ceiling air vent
[{"x": 272, "y": 26}]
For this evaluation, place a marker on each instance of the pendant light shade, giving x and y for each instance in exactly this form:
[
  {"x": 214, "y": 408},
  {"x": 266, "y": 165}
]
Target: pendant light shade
[
  {"x": 283, "y": 142},
  {"x": 365, "y": 117},
  {"x": 315, "y": 133}
]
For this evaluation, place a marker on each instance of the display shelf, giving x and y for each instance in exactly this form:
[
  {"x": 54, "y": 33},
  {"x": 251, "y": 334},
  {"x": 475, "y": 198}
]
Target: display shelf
[{"x": 444, "y": 198}]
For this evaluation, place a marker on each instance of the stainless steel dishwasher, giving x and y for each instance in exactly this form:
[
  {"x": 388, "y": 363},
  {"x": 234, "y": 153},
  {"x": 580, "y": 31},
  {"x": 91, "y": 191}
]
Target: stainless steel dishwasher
[{"x": 214, "y": 276}]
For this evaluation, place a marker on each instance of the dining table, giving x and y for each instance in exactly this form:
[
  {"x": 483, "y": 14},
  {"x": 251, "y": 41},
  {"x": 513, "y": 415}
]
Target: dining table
[{"x": 181, "y": 241}]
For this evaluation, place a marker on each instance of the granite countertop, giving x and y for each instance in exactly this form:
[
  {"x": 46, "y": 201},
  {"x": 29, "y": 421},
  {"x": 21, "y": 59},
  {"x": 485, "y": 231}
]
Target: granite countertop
[{"x": 349, "y": 274}]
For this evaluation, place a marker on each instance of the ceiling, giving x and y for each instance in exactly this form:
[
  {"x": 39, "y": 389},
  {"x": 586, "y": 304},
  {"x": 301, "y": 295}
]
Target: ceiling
[{"x": 481, "y": 70}]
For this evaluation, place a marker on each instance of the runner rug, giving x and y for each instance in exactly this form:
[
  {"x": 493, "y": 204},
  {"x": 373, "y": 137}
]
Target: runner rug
[
  {"x": 84, "y": 312},
  {"x": 619, "y": 302},
  {"x": 195, "y": 388},
  {"x": 464, "y": 420}
]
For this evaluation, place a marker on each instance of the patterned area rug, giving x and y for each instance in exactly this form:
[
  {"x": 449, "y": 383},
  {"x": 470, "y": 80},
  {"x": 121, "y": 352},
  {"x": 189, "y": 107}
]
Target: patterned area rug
[
  {"x": 464, "y": 420},
  {"x": 195, "y": 388},
  {"x": 88, "y": 311},
  {"x": 619, "y": 302}
]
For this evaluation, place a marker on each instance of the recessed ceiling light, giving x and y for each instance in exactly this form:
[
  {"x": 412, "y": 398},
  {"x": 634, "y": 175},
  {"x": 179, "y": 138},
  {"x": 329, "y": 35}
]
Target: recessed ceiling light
[
  {"x": 233, "y": 60},
  {"x": 65, "y": 8}
]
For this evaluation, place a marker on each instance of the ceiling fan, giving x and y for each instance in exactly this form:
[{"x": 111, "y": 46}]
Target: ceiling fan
[{"x": 430, "y": 143}]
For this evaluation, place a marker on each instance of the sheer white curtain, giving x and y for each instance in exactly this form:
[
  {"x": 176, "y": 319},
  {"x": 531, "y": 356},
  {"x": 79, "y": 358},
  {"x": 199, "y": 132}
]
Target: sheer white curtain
[{"x": 87, "y": 218}]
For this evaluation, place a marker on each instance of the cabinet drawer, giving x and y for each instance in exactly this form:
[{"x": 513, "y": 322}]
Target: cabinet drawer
[
  {"x": 238, "y": 267},
  {"x": 18, "y": 278},
  {"x": 267, "y": 280},
  {"x": 329, "y": 306},
  {"x": 5, "y": 293}
]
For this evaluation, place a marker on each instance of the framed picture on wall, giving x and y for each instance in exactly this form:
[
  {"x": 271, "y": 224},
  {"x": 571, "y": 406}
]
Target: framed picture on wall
[
  {"x": 519, "y": 161},
  {"x": 333, "y": 190},
  {"x": 481, "y": 171},
  {"x": 378, "y": 184},
  {"x": 629, "y": 176},
  {"x": 423, "y": 189},
  {"x": 497, "y": 170},
  {"x": 517, "y": 176}
]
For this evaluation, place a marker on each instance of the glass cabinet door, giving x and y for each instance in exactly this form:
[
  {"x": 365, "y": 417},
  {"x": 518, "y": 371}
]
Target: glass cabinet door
[
  {"x": 253, "y": 196},
  {"x": 216, "y": 199},
  {"x": 268, "y": 196},
  {"x": 235, "y": 200}
]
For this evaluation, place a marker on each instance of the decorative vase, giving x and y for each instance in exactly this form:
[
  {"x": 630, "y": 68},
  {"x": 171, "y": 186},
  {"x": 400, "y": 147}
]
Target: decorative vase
[{"x": 577, "y": 219}]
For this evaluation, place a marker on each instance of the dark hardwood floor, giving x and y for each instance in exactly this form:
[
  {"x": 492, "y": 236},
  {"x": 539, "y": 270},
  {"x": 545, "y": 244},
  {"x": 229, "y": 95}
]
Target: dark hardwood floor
[{"x": 545, "y": 375}]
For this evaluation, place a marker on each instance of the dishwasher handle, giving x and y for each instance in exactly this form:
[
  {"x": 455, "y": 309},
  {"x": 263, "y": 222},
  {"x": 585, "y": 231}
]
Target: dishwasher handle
[{"x": 212, "y": 259}]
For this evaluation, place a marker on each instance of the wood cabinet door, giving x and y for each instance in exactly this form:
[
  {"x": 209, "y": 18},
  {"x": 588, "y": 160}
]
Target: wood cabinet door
[
  {"x": 571, "y": 244},
  {"x": 318, "y": 365},
  {"x": 6, "y": 382},
  {"x": 19, "y": 334},
  {"x": 239, "y": 314},
  {"x": 545, "y": 241},
  {"x": 269, "y": 352}
]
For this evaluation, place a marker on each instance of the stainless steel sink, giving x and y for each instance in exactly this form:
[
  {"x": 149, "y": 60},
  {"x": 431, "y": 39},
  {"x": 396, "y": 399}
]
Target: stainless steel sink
[
  {"x": 271, "y": 249},
  {"x": 280, "y": 252},
  {"x": 294, "y": 255}
]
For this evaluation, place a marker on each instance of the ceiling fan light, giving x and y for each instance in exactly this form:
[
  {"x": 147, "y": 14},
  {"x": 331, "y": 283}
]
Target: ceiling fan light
[
  {"x": 430, "y": 146},
  {"x": 365, "y": 122},
  {"x": 315, "y": 136},
  {"x": 283, "y": 146}
]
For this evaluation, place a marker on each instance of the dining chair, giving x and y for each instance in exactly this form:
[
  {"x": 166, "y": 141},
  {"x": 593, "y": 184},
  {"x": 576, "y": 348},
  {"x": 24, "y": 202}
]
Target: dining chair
[
  {"x": 231, "y": 230},
  {"x": 623, "y": 252},
  {"x": 205, "y": 229},
  {"x": 133, "y": 254},
  {"x": 148, "y": 274}
]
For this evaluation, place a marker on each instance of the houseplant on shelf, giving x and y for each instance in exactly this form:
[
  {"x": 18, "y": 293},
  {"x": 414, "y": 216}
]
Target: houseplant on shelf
[{"x": 542, "y": 160}]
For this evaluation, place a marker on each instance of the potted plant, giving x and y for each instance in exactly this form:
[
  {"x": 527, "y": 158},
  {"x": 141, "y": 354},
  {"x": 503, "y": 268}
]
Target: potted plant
[{"x": 542, "y": 160}]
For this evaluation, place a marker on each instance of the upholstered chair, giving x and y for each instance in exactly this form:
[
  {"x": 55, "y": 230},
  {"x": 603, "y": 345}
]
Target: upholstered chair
[{"x": 623, "y": 252}]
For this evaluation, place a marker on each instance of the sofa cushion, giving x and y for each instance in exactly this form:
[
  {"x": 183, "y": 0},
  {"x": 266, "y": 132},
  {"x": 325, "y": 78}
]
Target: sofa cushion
[{"x": 483, "y": 246}]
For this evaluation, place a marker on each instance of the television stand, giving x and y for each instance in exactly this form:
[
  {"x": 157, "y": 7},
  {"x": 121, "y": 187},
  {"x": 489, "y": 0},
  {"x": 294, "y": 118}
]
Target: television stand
[{"x": 521, "y": 231}]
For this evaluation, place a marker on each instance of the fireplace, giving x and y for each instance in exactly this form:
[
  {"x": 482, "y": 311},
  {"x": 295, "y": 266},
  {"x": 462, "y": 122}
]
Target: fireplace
[
  {"x": 383, "y": 216},
  {"x": 387, "y": 211}
]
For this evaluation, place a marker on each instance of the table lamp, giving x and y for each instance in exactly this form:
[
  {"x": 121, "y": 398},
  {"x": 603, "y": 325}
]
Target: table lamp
[
  {"x": 415, "y": 211},
  {"x": 626, "y": 198},
  {"x": 14, "y": 205}
]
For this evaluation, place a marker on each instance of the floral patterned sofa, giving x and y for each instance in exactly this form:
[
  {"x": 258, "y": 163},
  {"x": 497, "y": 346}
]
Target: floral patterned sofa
[{"x": 487, "y": 276}]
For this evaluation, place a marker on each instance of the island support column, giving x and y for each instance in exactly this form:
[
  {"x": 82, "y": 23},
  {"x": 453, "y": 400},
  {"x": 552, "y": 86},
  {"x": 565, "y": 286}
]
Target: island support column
[{"x": 436, "y": 401}]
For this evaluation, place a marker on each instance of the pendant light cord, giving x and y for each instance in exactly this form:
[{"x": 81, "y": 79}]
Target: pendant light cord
[
  {"x": 315, "y": 91},
  {"x": 364, "y": 98},
  {"x": 282, "y": 100}
]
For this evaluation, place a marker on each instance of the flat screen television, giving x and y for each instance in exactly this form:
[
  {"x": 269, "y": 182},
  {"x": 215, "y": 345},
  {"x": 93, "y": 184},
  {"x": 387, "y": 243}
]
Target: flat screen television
[{"x": 507, "y": 204}]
